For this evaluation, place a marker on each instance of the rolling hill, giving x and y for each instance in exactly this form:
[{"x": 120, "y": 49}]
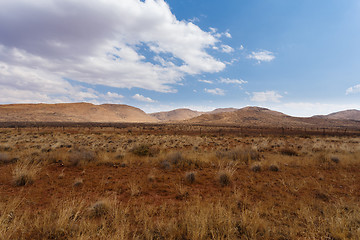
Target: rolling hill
[
  {"x": 176, "y": 115},
  {"x": 72, "y": 112},
  {"x": 256, "y": 116},
  {"x": 352, "y": 114},
  {"x": 118, "y": 113}
]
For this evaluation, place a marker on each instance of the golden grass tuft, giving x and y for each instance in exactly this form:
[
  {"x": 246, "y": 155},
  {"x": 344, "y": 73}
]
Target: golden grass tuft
[
  {"x": 99, "y": 209},
  {"x": 25, "y": 173}
]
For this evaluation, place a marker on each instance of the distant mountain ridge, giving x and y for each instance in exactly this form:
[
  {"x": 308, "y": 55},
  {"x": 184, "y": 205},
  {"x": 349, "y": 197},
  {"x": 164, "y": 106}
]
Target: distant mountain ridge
[
  {"x": 351, "y": 114},
  {"x": 115, "y": 113}
]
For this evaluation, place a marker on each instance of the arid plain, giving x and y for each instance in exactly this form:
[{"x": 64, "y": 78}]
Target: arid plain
[{"x": 179, "y": 181}]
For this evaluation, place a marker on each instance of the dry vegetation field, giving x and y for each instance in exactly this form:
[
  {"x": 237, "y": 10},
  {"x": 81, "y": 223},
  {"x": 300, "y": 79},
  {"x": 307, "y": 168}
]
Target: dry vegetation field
[{"x": 82, "y": 183}]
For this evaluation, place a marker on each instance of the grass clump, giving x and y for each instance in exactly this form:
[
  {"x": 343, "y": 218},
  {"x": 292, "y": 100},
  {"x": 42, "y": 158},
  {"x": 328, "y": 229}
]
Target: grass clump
[
  {"x": 78, "y": 156},
  {"x": 256, "y": 168},
  {"x": 178, "y": 160},
  {"x": 244, "y": 155},
  {"x": 274, "y": 168},
  {"x": 335, "y": 159},
  {"x": 288, "y": 151},
  {"x": 4, "y": 158},
  {"x": 190, "y": 177},
  {"x": 144, "y": 150},
  {"x": 225, "y": 176},
  {"x": 24, "y": 174},
  {"x": 99, "y": 209},
  {"x": 78, "y": 182}
]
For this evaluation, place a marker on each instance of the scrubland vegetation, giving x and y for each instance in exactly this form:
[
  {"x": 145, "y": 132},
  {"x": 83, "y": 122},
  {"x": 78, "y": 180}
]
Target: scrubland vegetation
[{"x": 85, "y": 184}]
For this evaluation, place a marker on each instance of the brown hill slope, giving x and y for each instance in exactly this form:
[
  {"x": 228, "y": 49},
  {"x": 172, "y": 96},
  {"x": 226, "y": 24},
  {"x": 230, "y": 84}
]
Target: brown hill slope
[
  {"x": 255, "y": 116},
  {"x": 72, "y": 112},
  {"x": 221, "y": 110},
  {"x": 176, "y": 115},
  {"x": 352, "y": 114},
  {"x": 182, "y": 114}
]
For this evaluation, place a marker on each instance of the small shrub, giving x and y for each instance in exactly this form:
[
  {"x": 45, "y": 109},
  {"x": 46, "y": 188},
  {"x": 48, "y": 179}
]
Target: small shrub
[
  {"x": 273, "y": 168},
  {"x": 335, "y": 159},
  {"x": 79, "y": 156},
  {"x": 119, "y": 157},
  {"x": 256, "y": 168},
  {"x": 99, "y": 209},
  {"x": 178, "y": 160},
  {"x": 144, "y": 150},
  {"x": 24, "y": 174},
  {"x": 240, "y": 154},
  {"x": 190, "y": 177},
  {"x": 175, "y": 158},
  {"x": 288, "y": 151},
  {"x": 165, "y": 165},
  {"x": 224, "y": 179},
  {"x": 78, "y": 182}
]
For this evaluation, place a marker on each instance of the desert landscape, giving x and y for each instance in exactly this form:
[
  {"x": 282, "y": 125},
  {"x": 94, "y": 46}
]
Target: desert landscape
[
  {"x": 172, "y": 179},
  {"x": 179, "y": 120}
]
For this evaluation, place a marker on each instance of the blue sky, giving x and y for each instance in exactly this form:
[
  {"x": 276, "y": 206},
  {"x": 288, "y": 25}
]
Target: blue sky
[{"x": 300, "y": 57}]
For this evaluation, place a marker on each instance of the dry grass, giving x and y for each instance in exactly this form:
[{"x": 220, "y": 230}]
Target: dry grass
[
  {"x": 191, "y": 187},
  {"x": 25, "y": 173},
  {"x": 4, "y": 158},
  {"x": 225, "y": 175},
  {"x": 190, "y": 177}
]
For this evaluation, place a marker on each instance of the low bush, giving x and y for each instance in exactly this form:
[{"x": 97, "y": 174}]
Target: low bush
[
  {"x": 24, "y": 174},
  {"x": 190, "y": 177},
  {"x": 144, "y": 150},
  {"x": 99, "y": 209},
  {"x": 288, "y": 151}
]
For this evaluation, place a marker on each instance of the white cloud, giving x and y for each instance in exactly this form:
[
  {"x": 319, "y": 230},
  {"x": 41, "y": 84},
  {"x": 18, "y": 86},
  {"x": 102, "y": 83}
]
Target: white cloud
[
  {"x": 194, "y": 19},
  {"x": 241, "y": 47},
  {"x": 98, "y": 43},
  {"x": 232, "y": 81},
  {"x": 217, "y": 34},
  {"x": 227, "y": 34},
  {"x": 226, "y": 49},
  {"x": 268, "y": 96},
  {"x": 141, "y": 98},
  {"x": 215, "y": 91},
  {"x": 307, "y": 109},
  {"x": 114, "y": 95},
  {"x": 206, "y": 81},
  {"x": 354, "y": 89},
  {"x": 262, "y": 56}
]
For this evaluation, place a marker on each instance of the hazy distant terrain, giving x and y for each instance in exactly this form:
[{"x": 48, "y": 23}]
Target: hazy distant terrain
[
  {"x": 117, "y": 113},
  {"x": 352, "y": 114}
]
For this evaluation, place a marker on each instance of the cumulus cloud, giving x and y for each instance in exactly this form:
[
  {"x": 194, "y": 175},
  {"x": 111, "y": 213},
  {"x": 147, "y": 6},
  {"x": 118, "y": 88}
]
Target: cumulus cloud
[
  {"x": 232, "y": 81},
  {"x": 354, "y": 89},
  {"x": 268, "y": 96},
  {"x": 262, "y": 56},
  {"x": 141, "y": 98},
  {"x": 206, "y": 81},
  {"x": 114, "y": 95},
  {"x": 98, "y": 43},
  {"x": 308, "y": 109},
  {"x": 227, "y": 34},
  {"x": 215, "y": 91},
  {"x": 226, "y": 49}
]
